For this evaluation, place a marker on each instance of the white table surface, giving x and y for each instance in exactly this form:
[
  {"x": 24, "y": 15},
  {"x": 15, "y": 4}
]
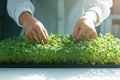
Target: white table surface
[{"x": 59, "y": 74}]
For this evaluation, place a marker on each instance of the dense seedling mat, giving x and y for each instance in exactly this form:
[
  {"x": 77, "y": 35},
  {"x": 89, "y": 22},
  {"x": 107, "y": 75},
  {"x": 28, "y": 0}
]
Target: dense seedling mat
[{"x": 61, "y": 50}]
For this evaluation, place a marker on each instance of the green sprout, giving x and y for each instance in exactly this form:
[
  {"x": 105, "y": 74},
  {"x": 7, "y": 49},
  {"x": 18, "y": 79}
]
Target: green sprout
[{"x": 61, "y": 49}]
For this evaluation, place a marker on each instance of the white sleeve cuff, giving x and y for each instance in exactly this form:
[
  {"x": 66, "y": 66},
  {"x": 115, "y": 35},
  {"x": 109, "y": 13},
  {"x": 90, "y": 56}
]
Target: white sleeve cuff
[
  {"x": 102, "y": 14},
  {"x": 101, "y": 7},
  {"x": 19, "y": 12},
  {"x": 22, "y": 8},
  {"x": 99, "y": 13}
]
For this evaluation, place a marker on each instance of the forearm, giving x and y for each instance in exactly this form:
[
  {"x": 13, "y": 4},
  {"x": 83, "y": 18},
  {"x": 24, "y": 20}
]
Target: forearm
[
  {"x": 16, "y": 7},
  {"x": 101, "y": 7},
  {"x": 26, "y": 19}
]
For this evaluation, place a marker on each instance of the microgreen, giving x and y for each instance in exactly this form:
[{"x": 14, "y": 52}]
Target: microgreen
[{"x": 61, "y": 49}]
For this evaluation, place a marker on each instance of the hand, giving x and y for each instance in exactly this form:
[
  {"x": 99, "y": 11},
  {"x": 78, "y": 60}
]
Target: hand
[
  {"x": 35, "y": 31},
  {"x": 85, "y": 29}
]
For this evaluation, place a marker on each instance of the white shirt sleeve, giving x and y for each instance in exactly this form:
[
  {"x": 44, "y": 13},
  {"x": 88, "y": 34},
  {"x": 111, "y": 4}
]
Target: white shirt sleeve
[
  {"x": 16, "y": 7},
  {"x": 101, "y": 7}
]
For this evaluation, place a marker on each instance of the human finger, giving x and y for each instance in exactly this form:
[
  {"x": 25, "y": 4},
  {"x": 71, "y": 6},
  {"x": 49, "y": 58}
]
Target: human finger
[
  {"x": 89, "y": 34},
  {"x": 76, "y": 30},
  {"x": 81, "y": 34},
  {"x": 29, "y": 38},
  {"x": 94, "y": 36},
  {"x": 42, "y": 35}
]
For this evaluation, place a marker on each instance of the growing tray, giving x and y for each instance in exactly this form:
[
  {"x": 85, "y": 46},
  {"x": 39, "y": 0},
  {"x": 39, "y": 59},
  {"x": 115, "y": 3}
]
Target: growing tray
[
  {"x": 61, "y": 52},
  {"x": 58, "y": 66}
]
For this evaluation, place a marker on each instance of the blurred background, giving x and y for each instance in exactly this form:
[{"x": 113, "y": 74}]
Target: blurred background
[
  {"x": 112, "y": 23},
  {"x": 9, "y": 28}
]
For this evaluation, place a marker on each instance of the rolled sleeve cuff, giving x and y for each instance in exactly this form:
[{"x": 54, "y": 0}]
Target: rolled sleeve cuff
[
  {"x": 22, "y": 7},
  {"x": 99, "y": 13},
  {"x": 19, "y": 12}
]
